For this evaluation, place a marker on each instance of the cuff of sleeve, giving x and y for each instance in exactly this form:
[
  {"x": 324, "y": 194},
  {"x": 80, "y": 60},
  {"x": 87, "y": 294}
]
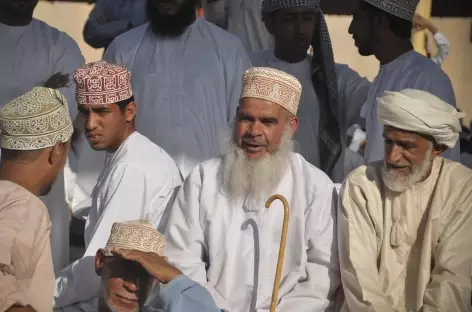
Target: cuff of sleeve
[{"x": 174, "y": 288}]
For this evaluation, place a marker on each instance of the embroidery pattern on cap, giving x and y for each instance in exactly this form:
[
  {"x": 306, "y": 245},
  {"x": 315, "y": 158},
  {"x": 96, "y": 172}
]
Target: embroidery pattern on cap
[
  {"x": 404, "y": 9},
  {"x": 274, "y": 5},
  {"x": 35, "y": 120},
  {"x": 102, "y": 83},
  {"x": 136, "y": 235},
  {"x": 273, "y": 85}
]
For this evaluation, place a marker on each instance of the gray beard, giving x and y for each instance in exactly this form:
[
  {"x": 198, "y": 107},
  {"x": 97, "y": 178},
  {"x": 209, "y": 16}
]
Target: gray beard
[
  {"x": 243, "y": 177},
  {"x": 400, "y": 184}
]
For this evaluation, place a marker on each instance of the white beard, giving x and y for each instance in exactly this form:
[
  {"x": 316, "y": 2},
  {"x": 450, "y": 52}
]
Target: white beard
[
  {"x": 399, "y": 183},
  {"x": 243, "y": 176}
]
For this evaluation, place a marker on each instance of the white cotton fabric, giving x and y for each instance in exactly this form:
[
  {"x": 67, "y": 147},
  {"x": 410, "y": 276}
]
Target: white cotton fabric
[
  {"x": 231, "y": 246},
  {"x": 187, "y": 88},
  {"x": 138, "y": 182},
  {"x": 422, "y": 112},
  {"x": 409, "y": 71}
]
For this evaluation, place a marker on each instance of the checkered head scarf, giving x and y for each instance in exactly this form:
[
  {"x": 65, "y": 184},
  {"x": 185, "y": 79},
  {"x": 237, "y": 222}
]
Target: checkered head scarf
[{"x": 323, "y": 69}]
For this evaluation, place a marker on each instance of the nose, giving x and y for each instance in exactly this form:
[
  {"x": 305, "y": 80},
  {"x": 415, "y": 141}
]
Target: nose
[
  {"x": 393, "y": 154},
  {"x": 255, "y": 129},
  {"x": 90, "y": 122},
  {"x": 130, "y": 286},
  {"x": 349, "y": 30}
]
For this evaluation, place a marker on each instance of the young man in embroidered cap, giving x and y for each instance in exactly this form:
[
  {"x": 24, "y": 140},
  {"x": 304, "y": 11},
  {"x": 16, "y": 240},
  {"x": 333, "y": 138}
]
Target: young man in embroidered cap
[
  {"x": 383, "y": 28},
  {"x": 130, "y": 264},
  {"x": 35, "y": 130},
  {"x": 138, "y": 180},
  {"x": 332, "y": 97},
  {"x": 221, "y": 235},
  {"x": 405, "y": 222},
  {"x": 186, "y": 78}
]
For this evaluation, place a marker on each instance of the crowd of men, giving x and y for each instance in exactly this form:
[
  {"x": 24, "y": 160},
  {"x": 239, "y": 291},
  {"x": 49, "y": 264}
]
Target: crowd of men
[{"x": 171, "y": 146}]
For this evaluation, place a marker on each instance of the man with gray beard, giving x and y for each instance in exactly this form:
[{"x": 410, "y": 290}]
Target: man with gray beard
[
  {"x": 221, "y": 235},
  {"x": 404, "y": 223}
]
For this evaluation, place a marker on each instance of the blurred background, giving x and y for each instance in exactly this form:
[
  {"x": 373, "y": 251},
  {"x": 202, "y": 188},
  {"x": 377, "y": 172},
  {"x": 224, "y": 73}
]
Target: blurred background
[{"x": 453, "y": 18}]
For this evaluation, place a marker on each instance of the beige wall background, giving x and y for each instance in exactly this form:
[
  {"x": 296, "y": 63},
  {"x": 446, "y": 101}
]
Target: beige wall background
[{"x": 70, "y": 18}]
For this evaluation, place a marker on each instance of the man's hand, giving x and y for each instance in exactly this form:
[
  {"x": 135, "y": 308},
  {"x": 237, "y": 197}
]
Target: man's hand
[
  {"x": 155, "y": 265},
  {"x": 421, "y": 23},
  {"x": 58, "y": 80}
]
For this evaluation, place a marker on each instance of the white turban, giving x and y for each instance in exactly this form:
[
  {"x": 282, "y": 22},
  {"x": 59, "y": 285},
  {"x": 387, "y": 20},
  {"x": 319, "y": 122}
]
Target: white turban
[{"x": 421, "y": 112}]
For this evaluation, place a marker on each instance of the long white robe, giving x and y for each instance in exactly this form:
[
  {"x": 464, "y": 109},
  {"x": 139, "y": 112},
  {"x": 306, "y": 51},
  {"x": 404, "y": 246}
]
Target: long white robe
[
  {"x": 187, "y": 88},
  {"x": 29, "y": 56},
  {"x": 410, "y": 71},
  {"x": 111, "y": 18},
  {"x": 231, "y": 246},
  {"x": 352, "y": 94},
  {"x": 408, "y": 251},
  {"x": 139, "y": 181}
]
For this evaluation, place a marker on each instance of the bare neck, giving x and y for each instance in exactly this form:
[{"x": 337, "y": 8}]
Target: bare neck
[
  {"x": 392, "y": 48},
  {"x": 23, "y": 174}
]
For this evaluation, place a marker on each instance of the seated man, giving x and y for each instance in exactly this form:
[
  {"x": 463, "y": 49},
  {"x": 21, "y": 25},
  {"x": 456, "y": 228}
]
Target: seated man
[
  {"x": 129, "y": 265},
  {"x": 221, "y": 235},
  {"x": 405, "y": 222}
]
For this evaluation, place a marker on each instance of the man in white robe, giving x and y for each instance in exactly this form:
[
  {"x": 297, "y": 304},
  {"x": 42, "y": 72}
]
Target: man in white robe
[
  {"x": 31, "y": 52},
  {"x": 111, "y": 18},
  {"x": 138, "y": 181},
  {"x": 329, "y": 105},
  {"x": 241, "y": 18},
  {"x": 187, "y": 78},
  {"x": 405, "y": 223},
  {"x": 221, "y": 235},
  {"x": 383, "y": 29}
]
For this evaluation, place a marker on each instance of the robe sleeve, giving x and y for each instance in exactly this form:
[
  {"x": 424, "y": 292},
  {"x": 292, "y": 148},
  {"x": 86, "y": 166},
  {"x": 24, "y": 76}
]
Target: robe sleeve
[
  {"x": 352, "y": 94},
  {"x": 450, "y": 286},
  {"x": 235, "y": 78},
  {"x": 443, "y": 48},
  {"x": 185, "y": 245},
  {"x": 358, "y": 253},
  {"x": 126, "y": 197},
  {"x": 11, "y": 221},
  {"x": 183, "y": 294},
  {"x": 67, "y": 58},
  {"x": 100, "y": 34},
  {"x": 318, "y": 291}
]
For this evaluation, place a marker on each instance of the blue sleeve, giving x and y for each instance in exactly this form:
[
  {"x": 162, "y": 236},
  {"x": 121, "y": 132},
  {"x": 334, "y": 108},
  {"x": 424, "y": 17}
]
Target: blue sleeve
[{"x": 182, "y": 295}]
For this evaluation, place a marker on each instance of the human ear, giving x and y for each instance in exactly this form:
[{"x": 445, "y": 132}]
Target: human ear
[
  {"x": 56, "y": 153},
  {"x": 99, "y": 262},
  {"x": 130, "y": 112}
]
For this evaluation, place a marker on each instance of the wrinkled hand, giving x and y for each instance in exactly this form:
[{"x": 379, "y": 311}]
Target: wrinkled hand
[
  {"x": 155, "y": 265},
  {"x": 58, "y": 80}
]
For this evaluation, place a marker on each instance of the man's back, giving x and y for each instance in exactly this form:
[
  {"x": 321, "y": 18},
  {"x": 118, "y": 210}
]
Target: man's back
[
  {"x": 25, "y": 251},
  {"x": 409, "y": 71},
  {"x": 187, "y": 87}
]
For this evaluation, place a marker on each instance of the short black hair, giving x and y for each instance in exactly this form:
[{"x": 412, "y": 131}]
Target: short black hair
[
  {"x": 124, "y": 103},
  {"x": 398, "y": 26}
]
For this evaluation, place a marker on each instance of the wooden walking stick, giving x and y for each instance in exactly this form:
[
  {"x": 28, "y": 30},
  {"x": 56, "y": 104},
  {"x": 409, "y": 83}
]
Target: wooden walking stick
[{"x": 283, "y": 241}]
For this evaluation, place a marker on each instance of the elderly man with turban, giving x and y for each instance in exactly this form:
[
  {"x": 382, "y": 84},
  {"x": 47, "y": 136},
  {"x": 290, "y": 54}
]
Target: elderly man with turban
[
  {"x": 333, "y": 94},
  {"x": 405, "y": 223},
  {"x": 383, "y": 28},
  {"x": 221, "y": 235},
  {"x": 35, "y": 132}
]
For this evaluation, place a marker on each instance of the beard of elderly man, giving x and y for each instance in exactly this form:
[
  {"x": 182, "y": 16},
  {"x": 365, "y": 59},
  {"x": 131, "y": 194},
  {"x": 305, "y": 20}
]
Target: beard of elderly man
[
  {"x": 259, "y": 149},
  {"x": 408, "y": 158}
]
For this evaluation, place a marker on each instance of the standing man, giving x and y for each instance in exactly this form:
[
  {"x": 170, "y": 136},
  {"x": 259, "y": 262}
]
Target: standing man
[
  {"x": 187, "y": 78},
  {"x": 138, "y": 180},
  {"x": 383, "y": 29},
  {"x": 35, "y": 130},
  {"x": 405, "y": 222},
  {"x": 241, "y": 18},
  {"x": 333, "y": 94},
  {"x": 111, "y": 18},
  {"x": 30, "y": 53},
  {"x": 221, "y": 235}
]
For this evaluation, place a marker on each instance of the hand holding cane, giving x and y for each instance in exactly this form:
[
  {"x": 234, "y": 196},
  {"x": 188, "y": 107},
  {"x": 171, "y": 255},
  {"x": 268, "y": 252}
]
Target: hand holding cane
[{"x": 283, "y": 241}]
